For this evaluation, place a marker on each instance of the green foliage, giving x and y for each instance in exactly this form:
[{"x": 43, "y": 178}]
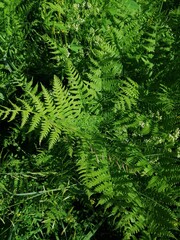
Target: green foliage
[{"x": 107, "y": 125}]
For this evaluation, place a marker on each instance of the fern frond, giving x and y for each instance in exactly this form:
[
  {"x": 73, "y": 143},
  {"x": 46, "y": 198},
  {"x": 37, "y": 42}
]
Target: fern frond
[
  {"x": 62, "y": 100},
  {"x": 54, "y": 137},
  {"x": 75, "y": 84},
  {"x": 9, "y": 113},
  {"x": 49, "y": 104},
  {"x": 35, "y": 122},
  {"x": 46, "y": 127},
  {"x": 128, "y": 95},
  {"x": 58, "y": 50},
  {"x": 39, "y": 106},
  {"x": 26, "y": 112},
  {"x": 165, "y": 99},
  {"x": 25, "y": 117},
  {"x": 14, "y": 112}
]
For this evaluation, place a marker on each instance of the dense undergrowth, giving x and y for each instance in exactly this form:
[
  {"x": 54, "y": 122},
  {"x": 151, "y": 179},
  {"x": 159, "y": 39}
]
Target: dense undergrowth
[{"x": 89, "y": 94}]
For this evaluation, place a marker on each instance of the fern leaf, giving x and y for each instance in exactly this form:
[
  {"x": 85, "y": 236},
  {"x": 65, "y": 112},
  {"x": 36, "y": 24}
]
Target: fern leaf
[
  {"x": 75, "y": 85},
  {"x": 39, "y": 106},
  {"x": 64, "y": 105},
  {"x": 29, "y": 87},
  {"x": 13, "y": 114},
  {"x": 46, "y": 127},
  {"x": 58, "y": 91},
  {"x": 48, "y": 100},
  {"x": 35, "y": 122},
  {"x": 54, "y": 137},
  {"x": 25, "y": 113},
  {"x": 25, "y": 117}
]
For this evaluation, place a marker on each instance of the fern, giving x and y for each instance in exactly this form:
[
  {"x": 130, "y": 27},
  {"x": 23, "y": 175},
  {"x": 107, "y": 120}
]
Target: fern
[
  {"x": 110, "y": 119},
  {"x": 56, "y": 111},
  {"x": 128, "y": 95}
]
